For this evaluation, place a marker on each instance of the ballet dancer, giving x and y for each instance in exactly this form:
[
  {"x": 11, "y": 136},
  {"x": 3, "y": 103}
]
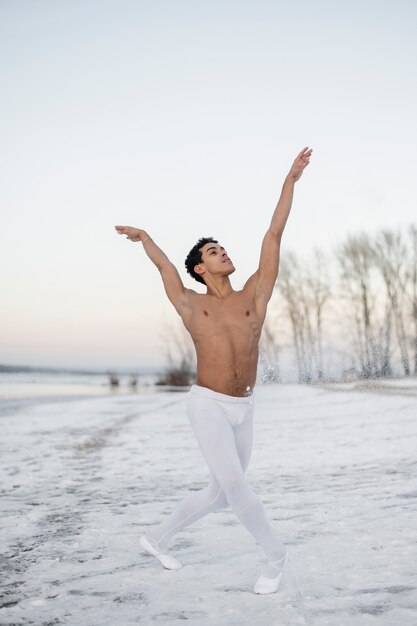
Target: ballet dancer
[{"x": 225, "y": 326}]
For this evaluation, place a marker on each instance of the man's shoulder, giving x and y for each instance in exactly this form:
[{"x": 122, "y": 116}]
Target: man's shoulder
[
  {"x": 193, "y": 297},
  {"x": 191, "y": 293},
  {"x": 199, "y": 300}
]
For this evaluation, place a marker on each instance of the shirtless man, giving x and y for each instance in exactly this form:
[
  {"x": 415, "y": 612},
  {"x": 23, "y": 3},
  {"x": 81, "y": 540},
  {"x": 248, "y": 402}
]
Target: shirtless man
[{"x": 225, "y": 326}]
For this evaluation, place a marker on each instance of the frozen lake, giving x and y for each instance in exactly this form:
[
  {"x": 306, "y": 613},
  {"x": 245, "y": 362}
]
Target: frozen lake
[{"x": 335, "y": 467}]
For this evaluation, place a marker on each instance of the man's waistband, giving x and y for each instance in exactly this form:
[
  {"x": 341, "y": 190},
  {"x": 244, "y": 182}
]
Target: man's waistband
[{"x": 216, "y": 395}]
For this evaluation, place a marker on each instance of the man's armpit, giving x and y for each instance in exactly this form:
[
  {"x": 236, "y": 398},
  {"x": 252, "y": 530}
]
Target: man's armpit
[
  {"x": 264, "y": 290},
  {"x": 184, "y": 301}
]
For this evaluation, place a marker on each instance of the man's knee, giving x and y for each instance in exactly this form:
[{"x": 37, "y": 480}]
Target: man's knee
[{"x": 234, "y": 482}]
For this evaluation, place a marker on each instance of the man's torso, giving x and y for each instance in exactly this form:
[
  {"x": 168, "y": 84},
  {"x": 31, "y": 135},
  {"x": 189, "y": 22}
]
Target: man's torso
[{"x": 226, "y": 334}]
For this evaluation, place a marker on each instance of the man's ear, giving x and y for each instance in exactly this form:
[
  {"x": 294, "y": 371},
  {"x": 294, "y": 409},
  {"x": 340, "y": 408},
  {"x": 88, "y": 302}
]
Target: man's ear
[{"x": 199, "y": 269}]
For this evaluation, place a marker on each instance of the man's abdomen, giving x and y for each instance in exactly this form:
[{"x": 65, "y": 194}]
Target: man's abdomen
[{"x": 227, "y": 369}]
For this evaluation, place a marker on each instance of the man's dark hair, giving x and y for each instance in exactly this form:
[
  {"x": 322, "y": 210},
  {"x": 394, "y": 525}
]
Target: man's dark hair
[{"x": 194, "y": 257}]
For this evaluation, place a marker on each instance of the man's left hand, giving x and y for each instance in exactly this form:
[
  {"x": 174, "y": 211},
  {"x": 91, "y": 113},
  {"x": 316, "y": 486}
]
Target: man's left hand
[{"x": 301, "y": 162}]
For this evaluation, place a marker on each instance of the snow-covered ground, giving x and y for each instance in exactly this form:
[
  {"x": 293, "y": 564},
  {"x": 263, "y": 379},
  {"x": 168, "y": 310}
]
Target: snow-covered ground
[{"x": 335, "y": 467}]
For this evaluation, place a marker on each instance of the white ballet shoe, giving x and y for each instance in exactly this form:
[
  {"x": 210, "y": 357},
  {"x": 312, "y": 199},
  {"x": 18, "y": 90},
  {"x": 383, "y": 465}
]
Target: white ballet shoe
[
  {"x": 166, "y": 560},
  {"x": 266, "y": 585}
]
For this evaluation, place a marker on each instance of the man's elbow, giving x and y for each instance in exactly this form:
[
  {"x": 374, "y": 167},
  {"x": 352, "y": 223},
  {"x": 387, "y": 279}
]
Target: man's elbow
[{"x": 276, "y": 234}]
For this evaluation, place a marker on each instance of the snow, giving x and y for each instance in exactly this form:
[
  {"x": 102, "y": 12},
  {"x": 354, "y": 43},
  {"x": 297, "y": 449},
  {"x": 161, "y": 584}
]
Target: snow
[{"x": 335, "y": 468}]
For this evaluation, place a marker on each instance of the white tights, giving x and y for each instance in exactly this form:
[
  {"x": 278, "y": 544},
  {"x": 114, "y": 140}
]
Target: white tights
[{"x": 223, "y": 426}]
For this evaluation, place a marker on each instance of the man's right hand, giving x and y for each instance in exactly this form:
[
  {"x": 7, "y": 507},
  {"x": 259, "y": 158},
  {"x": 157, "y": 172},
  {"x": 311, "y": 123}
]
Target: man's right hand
[{"x": 134, "y": 234}]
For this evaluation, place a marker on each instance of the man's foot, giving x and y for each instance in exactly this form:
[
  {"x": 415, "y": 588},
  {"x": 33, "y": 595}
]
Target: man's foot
[
  {"x": 266, "y": 584},
  {"x": 166, "y": 560}
]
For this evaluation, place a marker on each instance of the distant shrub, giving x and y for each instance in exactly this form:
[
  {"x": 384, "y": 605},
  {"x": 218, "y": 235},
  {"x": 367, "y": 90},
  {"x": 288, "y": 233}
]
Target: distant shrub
[{"x": 181, "y": 376}]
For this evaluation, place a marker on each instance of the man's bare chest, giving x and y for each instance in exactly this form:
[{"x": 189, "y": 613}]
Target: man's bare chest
[{"x": 212, "y": 315}]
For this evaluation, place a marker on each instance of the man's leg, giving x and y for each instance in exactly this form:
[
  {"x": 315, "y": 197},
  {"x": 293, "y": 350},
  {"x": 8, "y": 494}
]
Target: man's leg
[
  {"x": 199, "y": 503},
  {"x": 217, "y": 442},
  {"x": 190, "y": 509}
]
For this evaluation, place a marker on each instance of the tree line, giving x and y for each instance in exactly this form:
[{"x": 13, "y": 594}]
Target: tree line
[{"x": 356, "y": 305}]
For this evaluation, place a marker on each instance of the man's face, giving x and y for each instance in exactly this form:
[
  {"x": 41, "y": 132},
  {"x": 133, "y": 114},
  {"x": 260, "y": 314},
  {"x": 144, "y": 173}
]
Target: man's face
[{"x": 215, "y": 260}]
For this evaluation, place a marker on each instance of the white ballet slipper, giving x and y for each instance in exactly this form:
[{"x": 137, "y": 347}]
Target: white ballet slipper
[
  {"x": 266, "y": 585},
  {"x": 166, "y": 560}
]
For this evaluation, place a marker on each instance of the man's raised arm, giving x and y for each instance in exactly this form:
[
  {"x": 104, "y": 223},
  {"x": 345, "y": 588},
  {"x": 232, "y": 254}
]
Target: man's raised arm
[
  {"x": 265, "y": 277},
  {"x": 282, "y": 210},
  {"x": 173, "y": 284}
]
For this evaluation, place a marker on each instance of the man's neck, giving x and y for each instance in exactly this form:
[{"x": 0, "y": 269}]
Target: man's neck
[{"x": 220, "y": 288}]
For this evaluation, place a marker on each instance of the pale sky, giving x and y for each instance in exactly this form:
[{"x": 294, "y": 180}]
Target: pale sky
[{"x": 183, "y": 118}]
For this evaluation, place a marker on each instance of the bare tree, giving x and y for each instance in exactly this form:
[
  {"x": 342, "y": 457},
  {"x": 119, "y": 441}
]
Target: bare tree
[
  {"x": 290, "y": 286},
  {"x": 318, "y": 284},
  {"x": 412, "y": 286},
  {"x": 305, "y": 290},
  {"x": 390, "y": 253},
  {"x": 359, "y": 288}
]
